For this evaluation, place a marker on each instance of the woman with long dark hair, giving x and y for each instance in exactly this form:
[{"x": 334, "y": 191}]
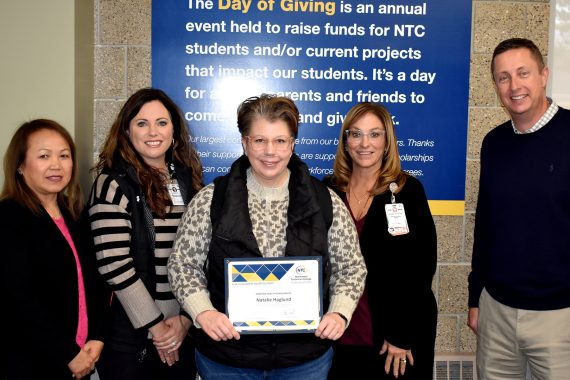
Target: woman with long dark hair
[{"x": 147, "y": 173}]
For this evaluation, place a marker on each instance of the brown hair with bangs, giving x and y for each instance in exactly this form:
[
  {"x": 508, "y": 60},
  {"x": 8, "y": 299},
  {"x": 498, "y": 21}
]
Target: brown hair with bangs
[{"x": 270, "y": 107}]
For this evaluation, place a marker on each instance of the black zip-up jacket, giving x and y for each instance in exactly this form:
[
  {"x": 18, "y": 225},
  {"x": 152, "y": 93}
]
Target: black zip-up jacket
[{"x": 122, "y": 335}]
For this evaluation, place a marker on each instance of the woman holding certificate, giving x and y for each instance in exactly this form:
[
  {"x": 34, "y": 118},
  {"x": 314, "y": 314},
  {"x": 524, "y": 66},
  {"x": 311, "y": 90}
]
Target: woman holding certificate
[
  {"x": 267, "y": 207},
  {"x": 392, "y": 333}
]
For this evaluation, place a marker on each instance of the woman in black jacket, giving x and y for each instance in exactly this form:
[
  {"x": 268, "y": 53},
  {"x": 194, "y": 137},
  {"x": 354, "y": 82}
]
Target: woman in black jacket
[
  {"x": 147, "y": 173},
  {"x": 48, "y": 278},
  {"x": 392, "y": 333}
]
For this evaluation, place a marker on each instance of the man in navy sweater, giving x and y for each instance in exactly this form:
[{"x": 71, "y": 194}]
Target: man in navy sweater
[{"x": 519, "y": 287}]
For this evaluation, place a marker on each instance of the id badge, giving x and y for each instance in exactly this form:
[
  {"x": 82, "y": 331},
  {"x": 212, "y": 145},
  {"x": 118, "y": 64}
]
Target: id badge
[
  {"x": 396, "y": 216},
  {"x": 175, "y": 194}
]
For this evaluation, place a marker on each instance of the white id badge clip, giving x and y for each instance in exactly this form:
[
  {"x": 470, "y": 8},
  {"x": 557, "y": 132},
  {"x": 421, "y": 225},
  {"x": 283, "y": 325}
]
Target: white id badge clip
[
  {"x": 396, "y": 215},
  {"x": 175, "y": 194}
]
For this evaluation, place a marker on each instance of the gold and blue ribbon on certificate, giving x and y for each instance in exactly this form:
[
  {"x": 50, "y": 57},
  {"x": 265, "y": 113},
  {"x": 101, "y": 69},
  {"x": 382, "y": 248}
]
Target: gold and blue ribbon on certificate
[{"x": 259, "y": 272}]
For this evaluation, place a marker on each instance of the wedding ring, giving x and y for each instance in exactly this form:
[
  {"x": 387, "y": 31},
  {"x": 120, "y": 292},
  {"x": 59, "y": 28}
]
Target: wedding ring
[
  {"x": 174, "y": 343},
  {"x": 403, "y": 361}
]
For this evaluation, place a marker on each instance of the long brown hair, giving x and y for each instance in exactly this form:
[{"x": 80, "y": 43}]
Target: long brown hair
[
  {"x": 391, "y": 170},
  {"x": 118, "y": 147},
  {"x": 16, "y": 188}
]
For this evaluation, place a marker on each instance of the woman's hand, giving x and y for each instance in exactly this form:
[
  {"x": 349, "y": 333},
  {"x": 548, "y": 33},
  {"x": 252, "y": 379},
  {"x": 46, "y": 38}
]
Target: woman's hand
[
  {"x": 332, "y": 326},
  {"x": 397, "y": 358},
  {"x": 166, "y": 336},
  {"x": 82, "y": 364},
  {"x": 217, "y": 325},
  {"x": 179, "y": 326},
  {"x": 94, "y": 348}
]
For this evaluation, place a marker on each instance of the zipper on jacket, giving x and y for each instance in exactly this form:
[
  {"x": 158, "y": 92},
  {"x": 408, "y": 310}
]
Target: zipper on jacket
[{"x": 142, "y": 355}]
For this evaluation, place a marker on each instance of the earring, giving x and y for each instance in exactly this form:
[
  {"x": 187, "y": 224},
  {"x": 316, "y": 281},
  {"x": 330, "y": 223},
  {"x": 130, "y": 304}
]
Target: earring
[
  {"x": 20, "y": 171},
  {"x": 172, "y": 142}
]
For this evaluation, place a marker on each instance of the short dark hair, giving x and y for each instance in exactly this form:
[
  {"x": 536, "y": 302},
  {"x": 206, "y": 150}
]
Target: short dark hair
[
  {"x": 270, "y": 107},
  {"x": 518, "y": 43}
]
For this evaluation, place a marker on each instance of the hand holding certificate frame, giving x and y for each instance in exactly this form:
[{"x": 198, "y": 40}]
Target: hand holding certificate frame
[{"x": 274, "y": 295}]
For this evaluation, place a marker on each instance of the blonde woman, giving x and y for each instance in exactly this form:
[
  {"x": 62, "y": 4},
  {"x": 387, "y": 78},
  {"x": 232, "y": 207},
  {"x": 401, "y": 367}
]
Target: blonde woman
[{"x": 392, "y": 334}]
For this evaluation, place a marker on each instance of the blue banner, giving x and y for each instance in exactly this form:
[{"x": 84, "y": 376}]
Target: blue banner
[{"x": 411, "y": 56}]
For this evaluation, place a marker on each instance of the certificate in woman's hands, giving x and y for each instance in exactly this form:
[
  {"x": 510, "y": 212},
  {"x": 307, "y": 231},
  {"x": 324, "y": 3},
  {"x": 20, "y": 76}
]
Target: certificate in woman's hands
[{"x": 274, "y": 294}]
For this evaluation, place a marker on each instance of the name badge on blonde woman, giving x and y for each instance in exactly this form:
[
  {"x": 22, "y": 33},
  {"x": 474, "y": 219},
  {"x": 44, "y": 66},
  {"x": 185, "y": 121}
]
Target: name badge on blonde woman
[
  {"x": 397, "y": 222},
  {"x": 396, "y": 215}
]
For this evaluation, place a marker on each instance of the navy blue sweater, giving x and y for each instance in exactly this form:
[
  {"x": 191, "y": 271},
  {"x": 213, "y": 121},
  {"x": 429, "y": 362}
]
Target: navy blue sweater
[{"x": 521, "y": 254}]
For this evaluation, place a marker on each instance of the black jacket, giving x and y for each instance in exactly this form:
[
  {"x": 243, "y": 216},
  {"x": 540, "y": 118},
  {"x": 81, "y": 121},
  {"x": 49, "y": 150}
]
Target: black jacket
[
  {"x": 122, "y": 336},
  {"x": 402, "y": 305},
  {"x": 39, "y": 292}
]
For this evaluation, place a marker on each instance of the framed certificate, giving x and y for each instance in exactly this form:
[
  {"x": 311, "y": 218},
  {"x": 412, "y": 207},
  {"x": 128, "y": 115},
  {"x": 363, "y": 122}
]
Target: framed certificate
[{"x": 274, "y": 295}]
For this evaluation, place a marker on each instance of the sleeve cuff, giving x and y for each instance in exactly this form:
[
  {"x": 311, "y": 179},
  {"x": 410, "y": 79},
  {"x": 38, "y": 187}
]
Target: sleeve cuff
[
  {"x": 343, "y": 305},
  {"x": 139, "y": 305},
  {"x": 196, "y": 304}
]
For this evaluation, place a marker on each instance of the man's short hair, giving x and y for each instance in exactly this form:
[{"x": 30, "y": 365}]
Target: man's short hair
[{"x": 518, "y": 43}]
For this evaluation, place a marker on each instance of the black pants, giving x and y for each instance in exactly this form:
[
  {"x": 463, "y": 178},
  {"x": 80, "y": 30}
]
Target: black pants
[{"x": 116, "y": 365}]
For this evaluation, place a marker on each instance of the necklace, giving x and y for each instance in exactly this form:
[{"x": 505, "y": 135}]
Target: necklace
[{"x": 359, "y": 202}]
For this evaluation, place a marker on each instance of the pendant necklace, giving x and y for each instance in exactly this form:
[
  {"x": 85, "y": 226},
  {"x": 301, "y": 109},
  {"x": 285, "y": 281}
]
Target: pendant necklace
[
  {"x": 355, "y": 197},
  {"x": 359, "y": 202}
]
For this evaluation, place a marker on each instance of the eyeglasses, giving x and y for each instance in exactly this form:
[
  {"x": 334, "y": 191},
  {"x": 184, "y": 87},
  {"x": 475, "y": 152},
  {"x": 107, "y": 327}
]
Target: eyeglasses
[
  {"x": 356, "y": 135},
  {"x": 261, "y": 143}
]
